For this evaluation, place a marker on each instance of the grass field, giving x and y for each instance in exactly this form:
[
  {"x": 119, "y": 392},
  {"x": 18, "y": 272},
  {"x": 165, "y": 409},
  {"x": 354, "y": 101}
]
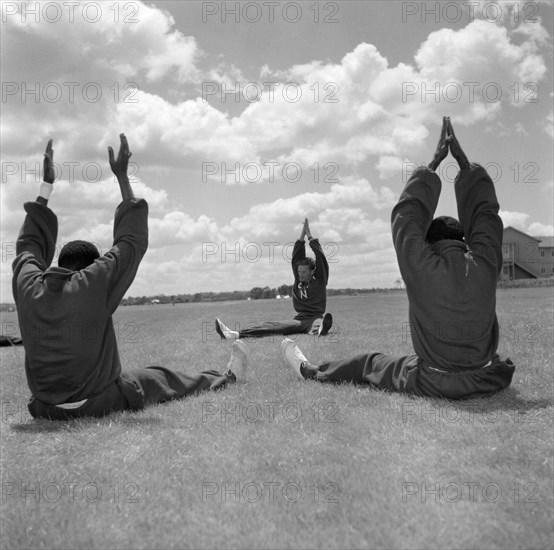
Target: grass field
[{"x": 275, "y": 462}]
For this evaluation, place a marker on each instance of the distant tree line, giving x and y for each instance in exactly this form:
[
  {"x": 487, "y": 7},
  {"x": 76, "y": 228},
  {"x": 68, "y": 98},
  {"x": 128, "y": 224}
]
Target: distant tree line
[{"x": 256, "y": 293}]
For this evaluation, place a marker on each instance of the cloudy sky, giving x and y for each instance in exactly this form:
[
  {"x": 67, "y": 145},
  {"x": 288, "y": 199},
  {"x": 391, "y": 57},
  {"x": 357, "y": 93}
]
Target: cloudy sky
[{"x": 243, "y": 122}]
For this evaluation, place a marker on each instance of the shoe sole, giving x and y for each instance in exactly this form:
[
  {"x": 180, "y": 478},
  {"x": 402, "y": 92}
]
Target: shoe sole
[
  {"x": 218, "y": 330},
  {"x": 283, "y": 348},
  {"x": 240, "y": 345},
  {"x": 326, "y": 325}
]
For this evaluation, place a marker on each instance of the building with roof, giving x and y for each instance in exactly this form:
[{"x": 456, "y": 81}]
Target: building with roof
[{"x": 525, "y": 256}]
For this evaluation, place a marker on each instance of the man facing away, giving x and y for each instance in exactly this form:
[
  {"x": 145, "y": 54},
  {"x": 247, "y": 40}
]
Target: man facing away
[
  {"x": 450, "y": 269},
  {"x": 309, "y": 296},
  {"x": 65, "y": 313}
]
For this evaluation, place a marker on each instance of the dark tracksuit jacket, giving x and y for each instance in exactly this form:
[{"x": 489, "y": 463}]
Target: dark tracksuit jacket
[
  {"x": 66, "y": 316},
  {"x": 452, "y": 297},
  {"x": 311, "y": 300}
]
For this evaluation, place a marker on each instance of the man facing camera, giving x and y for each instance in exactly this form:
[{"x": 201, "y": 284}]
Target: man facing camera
[{"x": 309, "y": 296}]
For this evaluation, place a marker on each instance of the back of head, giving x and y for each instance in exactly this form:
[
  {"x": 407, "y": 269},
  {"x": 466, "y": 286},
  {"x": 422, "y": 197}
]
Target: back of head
[
  {"x": 77, "y": 255},
  {"x": 445, "y": 227}
]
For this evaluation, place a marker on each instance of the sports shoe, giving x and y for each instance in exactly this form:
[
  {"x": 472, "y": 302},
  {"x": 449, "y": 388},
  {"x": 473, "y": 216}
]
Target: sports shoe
[
  {"x": 294, "y": 357},
  {"x": 225, "y": 332},
  {"x": 238, "y": 361},
  {"x": 315, "y": 328},
  {"x": 325, "y": 325}
]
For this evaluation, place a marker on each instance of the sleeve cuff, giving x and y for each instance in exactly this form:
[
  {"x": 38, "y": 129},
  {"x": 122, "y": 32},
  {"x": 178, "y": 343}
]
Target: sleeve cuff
[{"x": 45, "y": 190}]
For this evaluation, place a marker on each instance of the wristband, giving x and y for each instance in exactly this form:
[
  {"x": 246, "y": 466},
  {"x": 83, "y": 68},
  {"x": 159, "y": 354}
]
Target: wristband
[{"x": 45, "y": 190}]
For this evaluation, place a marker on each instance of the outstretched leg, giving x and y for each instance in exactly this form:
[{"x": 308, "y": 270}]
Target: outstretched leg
[
  {"x": 135, "y": 389},
  {"x": 394, "y": 373},
  {"x": 387, "y": 372},
  {"x": 10, "y": 340},
  {"x": 143, "y": 387},
  {"x": 404, "y": 374},
  {"x": 153, "y": 385},
  {"x": 269, "y": 328}
]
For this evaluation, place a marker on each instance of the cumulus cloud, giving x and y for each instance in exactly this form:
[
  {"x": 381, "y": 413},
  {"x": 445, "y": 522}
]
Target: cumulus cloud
[
  {"x": 105, "y": 34},
  {"x": 345, "y": 112},
  {"x": 178, "y": 227},
  {"x": 514, "y": 219},
  {"x": 520, "y": 221},
  {"x": 276, "y": 218},
  {"x": 334, "y": 119},
  {"x": 72, "y": 80},
  {"x": 365, "y": 108},
  {"x": 540, "y": 229},
  {"x": 549, "y": 124}
]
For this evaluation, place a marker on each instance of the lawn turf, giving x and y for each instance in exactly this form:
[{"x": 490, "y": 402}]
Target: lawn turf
[{"x": 276, "y": 462}]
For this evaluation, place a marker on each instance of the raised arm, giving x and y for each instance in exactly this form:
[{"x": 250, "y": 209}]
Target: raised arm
[
  {"x": 303, "y": 234},
  {"x": 307, "y": 229},
  {"x": 413, "y": 214},
  {"x": 120, "y": 165},
  {"x": 36, "y": 242},
  {"x": 477, "y": 207},
  {"x": 321, "y": 264},
  {"x": 442, "y": 147},
  {"x": 455, "y": 148},
  {"x": 298, "y": 252},
  {"x": 116, "y": 269},
  {"x": 48, "y": 175},
  {"x": 322, "y": 267}
]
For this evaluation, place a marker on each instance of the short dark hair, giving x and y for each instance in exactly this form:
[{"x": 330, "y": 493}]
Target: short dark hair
[
  {"x": 445, "y": 227},
  {"x": 307, "y": 261},
  {"x": 77, "y": 255}
]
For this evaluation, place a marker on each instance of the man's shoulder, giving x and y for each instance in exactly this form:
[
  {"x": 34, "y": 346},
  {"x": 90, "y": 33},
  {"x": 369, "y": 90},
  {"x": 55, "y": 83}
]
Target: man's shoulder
[
  {"x": 317, "y": 279},
  {"x": 27, "y": 258}
]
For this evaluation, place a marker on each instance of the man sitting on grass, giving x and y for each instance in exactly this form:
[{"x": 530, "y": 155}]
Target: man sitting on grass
[
  {"x": 450, "y": 269},
  {"x": 65, "y": 313},
  {"x": 309, "y": 296},
  {"x": 10, "y": 341}
]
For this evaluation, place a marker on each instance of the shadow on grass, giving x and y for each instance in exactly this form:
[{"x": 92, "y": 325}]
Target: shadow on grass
[
  {"x": 510, "y": 404},
  {"x": 148, "y": 421},
  {"x": 44, "y": 426},
  {"x": 40, "y": 426},
  {"x": 508, "y": 401}
]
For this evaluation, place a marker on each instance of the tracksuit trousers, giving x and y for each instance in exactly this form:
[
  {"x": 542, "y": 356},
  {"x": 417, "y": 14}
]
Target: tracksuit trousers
[
  {"x": 411, "y": 375},
  {"x": 134, "y": 390},
  {"x": 296, "y": 326}
]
